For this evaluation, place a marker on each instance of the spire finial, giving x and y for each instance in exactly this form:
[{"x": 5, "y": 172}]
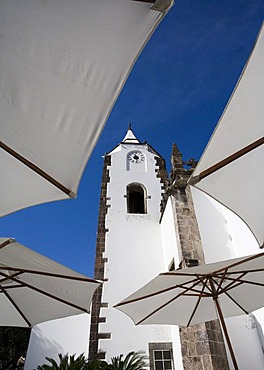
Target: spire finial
[{"x": 130, "y": 137}]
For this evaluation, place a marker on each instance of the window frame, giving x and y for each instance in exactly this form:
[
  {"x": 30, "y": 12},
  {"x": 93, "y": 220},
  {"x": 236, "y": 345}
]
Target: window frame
[{"x": 162, "y": 347}]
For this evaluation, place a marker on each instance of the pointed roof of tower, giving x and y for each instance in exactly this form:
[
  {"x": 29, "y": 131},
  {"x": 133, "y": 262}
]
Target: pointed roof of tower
[{"x": 130, "y": 138}]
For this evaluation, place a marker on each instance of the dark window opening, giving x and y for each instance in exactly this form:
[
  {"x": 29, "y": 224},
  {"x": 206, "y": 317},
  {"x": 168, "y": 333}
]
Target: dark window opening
[
  {"x": 161, "y": 356},
  {"x": 162, "y": 360},
  {"x": 136, "y": 199}
]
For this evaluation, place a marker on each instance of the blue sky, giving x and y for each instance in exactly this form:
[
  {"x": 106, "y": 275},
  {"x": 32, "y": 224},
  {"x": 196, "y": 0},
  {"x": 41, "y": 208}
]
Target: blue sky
[{"x": 176, "y": 93}]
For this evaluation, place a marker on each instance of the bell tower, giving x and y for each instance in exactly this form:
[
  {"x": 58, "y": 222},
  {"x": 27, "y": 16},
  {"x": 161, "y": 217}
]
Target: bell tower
[{"x": 129, "y": 251}]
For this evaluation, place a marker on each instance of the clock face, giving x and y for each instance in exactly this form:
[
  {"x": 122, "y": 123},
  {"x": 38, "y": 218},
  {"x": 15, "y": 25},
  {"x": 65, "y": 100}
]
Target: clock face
[{"x": 136, "y": 156}]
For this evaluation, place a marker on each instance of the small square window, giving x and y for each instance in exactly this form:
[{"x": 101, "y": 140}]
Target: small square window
[{"x": 162, "y": 359}]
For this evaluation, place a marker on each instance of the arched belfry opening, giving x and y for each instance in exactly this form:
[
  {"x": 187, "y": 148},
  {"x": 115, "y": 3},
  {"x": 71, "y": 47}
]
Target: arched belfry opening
[{"x": 136, "y": 198}]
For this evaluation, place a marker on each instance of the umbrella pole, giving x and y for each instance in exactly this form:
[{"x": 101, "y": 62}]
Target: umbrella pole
[{"x": 221, "y": 318}]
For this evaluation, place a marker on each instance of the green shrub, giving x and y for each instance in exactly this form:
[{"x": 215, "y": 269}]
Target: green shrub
[{"x": 132, "y": 361}]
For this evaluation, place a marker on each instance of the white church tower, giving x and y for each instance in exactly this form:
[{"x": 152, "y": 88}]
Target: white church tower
[{"x": 129, "y": 252}]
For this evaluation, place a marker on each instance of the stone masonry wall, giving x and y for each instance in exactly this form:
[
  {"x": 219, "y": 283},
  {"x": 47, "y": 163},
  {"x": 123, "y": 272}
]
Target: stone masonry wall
[
  {"x": 99, "y": 269},
  {"x": 161, "y": 173},
  {"x": 202, "y": 345}
]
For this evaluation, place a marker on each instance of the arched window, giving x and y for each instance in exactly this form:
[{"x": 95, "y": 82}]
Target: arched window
[{"x": 136, "y": 198}]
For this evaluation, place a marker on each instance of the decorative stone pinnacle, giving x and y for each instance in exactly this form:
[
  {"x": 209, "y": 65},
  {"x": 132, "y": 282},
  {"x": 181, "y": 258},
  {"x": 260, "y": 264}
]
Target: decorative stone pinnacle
[
  {"x": 175, "y": 149},
  {"x": 176, "y": 158}
]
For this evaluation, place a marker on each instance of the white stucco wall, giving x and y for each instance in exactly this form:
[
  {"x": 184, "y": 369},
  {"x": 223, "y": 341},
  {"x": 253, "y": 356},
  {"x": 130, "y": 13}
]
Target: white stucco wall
[
  {"x": 69, "y": 335},
  {"x": 169, "y": 237},
  {"x": 246, "y": 342},
  {"x": 134, "y": 252},
  {"x": 225, "y": 236}
]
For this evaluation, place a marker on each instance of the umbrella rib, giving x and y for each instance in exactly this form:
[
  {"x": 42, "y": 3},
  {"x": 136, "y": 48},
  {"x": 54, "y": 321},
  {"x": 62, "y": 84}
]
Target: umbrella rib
[
  {"x": 198, "y": 302},
  {"x": 51, "y": 274},
  {"x": 22, "y": 283},
  {"x": 159, "y": 308},
  {"x": 165, "y": 304},
  {"x": 234, "y": 282},
  {"x": 178, "y": 273},
  {"x": 183, "y": 286},
  {"x": 171, "y": 300},
  {"x": 8, "y": 277},
  {"x": 152, "y": 294},
  {"x": 203, "y": 295},
  {"x": 146, "y": 1},
  {"x": 221, "y": 281},
  {"x": 229, "y": 159},
  {"x": 7, "y": 242},
  {"x": 202, "y": 278},
  {"x": 233, "y": 300},
  {"x": 250, "y": 258},
  {"x": 37, "y": 169},
  {"x": 243, "y": 282},
  {"x": 181, "y": 273},
  {"x": 245, "y": 271},
  {"x": 16, "y": 306},
  {"x": 8, "y": 287},
  {"x": 232, "y": 285}
]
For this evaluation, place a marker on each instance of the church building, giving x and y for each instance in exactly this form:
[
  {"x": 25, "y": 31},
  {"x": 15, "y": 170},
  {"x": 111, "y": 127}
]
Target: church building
[
  {"x": 150, "y": 223},
  {"x": 146, "y": 225}
]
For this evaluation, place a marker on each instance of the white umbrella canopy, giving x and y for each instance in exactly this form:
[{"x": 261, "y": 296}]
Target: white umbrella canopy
[
  {"x": 199, "y": 294},
  {"x": 63, "y": 64},
  {"x": 231, "y": 167},
  {"x": 185, "y": 297},
  {"x": 35, "y": 289}
]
